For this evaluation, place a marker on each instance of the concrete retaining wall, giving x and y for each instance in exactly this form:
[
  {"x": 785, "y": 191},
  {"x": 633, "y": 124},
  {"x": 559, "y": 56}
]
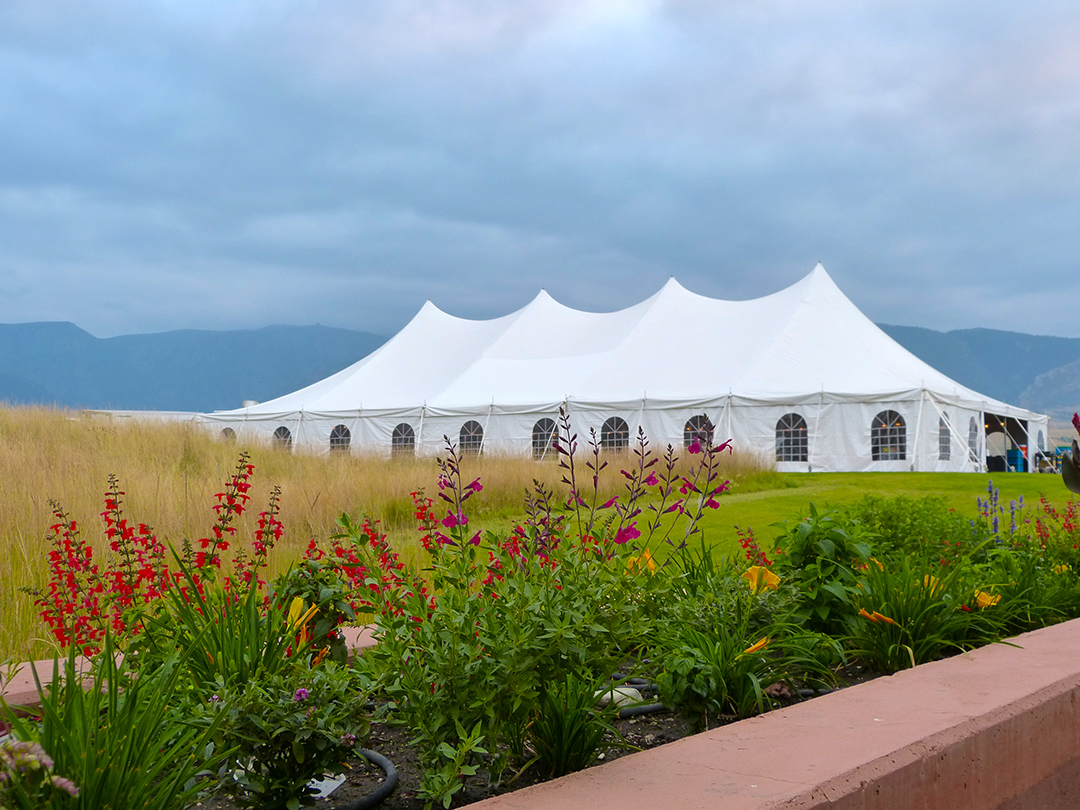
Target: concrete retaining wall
[{"x": 998, "y": 728}]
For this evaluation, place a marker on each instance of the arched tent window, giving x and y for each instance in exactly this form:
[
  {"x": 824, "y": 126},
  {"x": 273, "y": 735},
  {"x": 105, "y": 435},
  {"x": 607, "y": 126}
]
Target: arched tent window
[
  {"x": 340, "y": 438},
  {"x": 944, "y": 439},
  {"x": 888, "y": 437},
  {"x": 471, "y": 437},
  {"x": 229, "y": 435},
  {"x": 698, "y": 429},
  {"x": 403, "y": 440},
  {"x": 615, "y": 434},
  {"x": 543, "y": 438},
  {"x": 973, "y": 440},
  {"x": 283, "y": 438},
  {"x": 791, "y": 438}
]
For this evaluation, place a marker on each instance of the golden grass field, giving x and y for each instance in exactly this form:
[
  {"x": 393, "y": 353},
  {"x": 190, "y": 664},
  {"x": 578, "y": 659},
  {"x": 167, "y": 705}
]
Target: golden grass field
[{"x": 170, "y": 473}]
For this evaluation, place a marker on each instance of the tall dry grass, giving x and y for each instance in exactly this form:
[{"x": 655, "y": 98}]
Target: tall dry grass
[{"x": 171, "y": 471}]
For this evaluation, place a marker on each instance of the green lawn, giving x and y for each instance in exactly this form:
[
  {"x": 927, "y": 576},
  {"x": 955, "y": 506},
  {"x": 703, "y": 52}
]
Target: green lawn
[
  {"x": 780, "y": 497},
  {"x": 760, "y": 510}
]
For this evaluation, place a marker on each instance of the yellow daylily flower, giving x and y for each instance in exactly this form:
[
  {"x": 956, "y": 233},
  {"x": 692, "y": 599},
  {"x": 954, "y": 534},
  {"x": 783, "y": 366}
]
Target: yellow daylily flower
[
  {"x": 1061, "y": 569},
  {"x": 930, "y": 582},
  {"x": 644, "y": 562},
  {"x": 985, "y": 600},
  {"x": 877, "y": 562},
  {"x": 299, "y": 618},
  {"x": 757, "y": 646},
  {"x": 876, "y": 617},
  {"x": 761, "y": 578}
]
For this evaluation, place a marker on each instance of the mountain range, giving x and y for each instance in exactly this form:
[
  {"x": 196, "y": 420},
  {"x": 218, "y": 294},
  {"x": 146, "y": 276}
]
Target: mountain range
[
  {"x": 188, "y": 370},
  {"x": 197, "y": 370}
]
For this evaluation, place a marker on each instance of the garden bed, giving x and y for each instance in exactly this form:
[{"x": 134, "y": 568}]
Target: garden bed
[
  {"x": 362, "y": 778},
  {"x": 642, "y": 733},
  {"x": 495, "y": 647}
]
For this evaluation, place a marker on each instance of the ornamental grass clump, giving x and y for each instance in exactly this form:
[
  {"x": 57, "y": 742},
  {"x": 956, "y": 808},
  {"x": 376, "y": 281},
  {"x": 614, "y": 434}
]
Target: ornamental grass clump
[
  {"x": 126, "y": 739},
  {"x": 727, "y": 650},
  {"x": 910, "y": 612},
  {"x": 568, "y": 728}
]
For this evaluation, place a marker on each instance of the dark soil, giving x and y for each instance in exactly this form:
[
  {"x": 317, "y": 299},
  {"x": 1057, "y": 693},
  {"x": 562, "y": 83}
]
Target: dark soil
[
  {"x": 362, "y": 778},
  {"x": 647, "y": 731}
]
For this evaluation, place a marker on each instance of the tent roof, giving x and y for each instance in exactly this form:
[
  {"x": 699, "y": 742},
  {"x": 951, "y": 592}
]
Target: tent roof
[{"x": 675, "y": 345}]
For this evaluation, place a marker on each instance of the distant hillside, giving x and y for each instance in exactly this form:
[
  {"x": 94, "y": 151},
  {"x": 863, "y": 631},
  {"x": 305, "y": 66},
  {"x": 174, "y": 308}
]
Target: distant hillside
[
  {"x": 59, "y": 363},
  {"x": 1037, "y": 372},
  {"x": 190, "y": 370}
]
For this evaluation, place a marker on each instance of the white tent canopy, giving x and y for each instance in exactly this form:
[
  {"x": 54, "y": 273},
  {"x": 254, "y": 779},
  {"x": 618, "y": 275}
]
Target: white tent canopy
[{"x": 801, "y": 376}]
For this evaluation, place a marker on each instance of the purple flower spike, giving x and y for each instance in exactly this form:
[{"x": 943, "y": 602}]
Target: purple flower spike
[{"x": 301, "y": 694}]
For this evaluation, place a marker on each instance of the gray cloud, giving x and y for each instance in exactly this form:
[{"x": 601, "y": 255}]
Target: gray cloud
[{"x": 169, "y": 165}]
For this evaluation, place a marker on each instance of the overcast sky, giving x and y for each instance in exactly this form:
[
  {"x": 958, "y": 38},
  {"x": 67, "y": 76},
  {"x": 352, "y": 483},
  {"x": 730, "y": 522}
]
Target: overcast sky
[{"x": 170, "y": 164}]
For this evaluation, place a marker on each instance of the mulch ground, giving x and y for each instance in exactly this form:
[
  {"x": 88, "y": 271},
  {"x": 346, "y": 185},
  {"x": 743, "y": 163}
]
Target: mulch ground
[{"x": 640, "y": 733}]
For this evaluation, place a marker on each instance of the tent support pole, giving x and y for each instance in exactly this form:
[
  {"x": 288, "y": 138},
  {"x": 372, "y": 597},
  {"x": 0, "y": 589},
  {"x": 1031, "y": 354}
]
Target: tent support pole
[
  {"x": 728, "y": 414},
  {"x": 420, "y": 430},
  {"x": 817, "y": 430},
  {"x": 487, "y": 421},
  {"x": 918, "y": 431}
]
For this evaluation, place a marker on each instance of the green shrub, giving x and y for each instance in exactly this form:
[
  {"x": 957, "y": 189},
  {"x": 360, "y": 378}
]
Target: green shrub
[
  {"x": 926, "y": 527},
  {"x": 819, "y": 557},
  {"x": 287, "y": 729}
]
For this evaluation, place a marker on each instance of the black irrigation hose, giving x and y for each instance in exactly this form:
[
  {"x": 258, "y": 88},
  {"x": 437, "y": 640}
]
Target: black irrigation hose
[
  {"x": 384, "y": 790},
  {"x": 634, "y": 711}
]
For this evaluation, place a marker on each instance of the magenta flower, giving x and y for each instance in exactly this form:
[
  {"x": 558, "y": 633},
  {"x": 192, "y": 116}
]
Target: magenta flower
[
  {"x": 475, "y": 486},
  {"x": 609, "y": 504},
  {"x": 451, "y": 520},
  {"x": 475, "y": 539},
  {"x": 694, "y": 448},
  {"x": 712, "y": 503},
  {"x": 651, "y": 481},
  {"x": 301, "y": 694},
  {"x": 626, "y": 533}
]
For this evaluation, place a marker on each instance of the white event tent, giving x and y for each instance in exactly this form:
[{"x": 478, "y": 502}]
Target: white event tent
[{"x": 800, "y": 376}]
